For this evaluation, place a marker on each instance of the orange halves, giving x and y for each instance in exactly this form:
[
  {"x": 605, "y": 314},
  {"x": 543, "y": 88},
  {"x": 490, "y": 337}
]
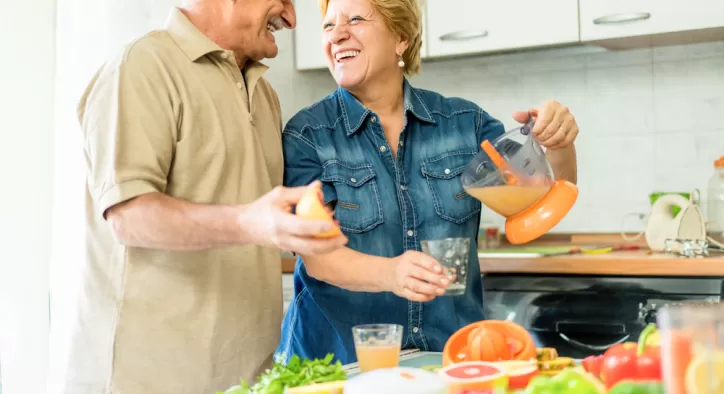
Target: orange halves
[
  {"x": 489, "y": 340},
  {"x": 311, "y": 206}
]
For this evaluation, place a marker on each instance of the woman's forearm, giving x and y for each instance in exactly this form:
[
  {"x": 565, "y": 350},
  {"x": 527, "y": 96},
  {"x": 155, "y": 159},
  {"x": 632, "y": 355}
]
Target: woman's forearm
[
  {"x": 352, "y": 270},
  {"x": 563, "y": 162}
]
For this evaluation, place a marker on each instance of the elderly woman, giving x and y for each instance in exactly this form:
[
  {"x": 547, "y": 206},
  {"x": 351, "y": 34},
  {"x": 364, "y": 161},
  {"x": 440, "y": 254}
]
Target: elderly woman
[{"x": 389, "y": 157}]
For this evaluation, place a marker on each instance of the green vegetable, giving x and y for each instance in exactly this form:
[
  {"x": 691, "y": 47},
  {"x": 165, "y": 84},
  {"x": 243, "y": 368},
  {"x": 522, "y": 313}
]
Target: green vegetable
[
  {"x": 296, "y": 373},
  {"x": 431, "y": 368},
  {"x": 629, "y": 387},
  {"x": 568, "y": 381}
]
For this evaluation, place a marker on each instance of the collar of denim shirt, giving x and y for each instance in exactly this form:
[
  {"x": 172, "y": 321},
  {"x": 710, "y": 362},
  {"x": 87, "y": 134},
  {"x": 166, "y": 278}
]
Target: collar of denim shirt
[{"x": 354, "y": 112}]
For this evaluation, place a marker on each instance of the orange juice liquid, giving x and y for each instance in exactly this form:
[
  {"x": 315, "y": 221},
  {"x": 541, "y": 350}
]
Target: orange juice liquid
[
  {"x": 372, "y": 357},
  {"x": 508, "y": 200}
]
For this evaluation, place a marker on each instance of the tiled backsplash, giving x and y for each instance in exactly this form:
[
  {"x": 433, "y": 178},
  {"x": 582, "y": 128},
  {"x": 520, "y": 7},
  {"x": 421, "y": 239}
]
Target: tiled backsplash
[{"x": 650, "y": 119}]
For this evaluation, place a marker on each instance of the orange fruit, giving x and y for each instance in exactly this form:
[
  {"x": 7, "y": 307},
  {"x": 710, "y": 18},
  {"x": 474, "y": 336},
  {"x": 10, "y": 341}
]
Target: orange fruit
[
  {"x": 474, "y": 375},
  {"x": 311, "y": 206},
  {"x": 520, "y": 373}
]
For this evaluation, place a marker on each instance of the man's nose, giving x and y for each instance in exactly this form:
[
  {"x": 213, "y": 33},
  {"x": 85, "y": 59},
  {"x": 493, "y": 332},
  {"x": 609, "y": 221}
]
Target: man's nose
[{"x": 290, "y": 16}]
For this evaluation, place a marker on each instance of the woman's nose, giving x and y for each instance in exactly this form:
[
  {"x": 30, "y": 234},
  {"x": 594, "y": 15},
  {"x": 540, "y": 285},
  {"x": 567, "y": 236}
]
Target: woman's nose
[{"x": 338, "y": 34}]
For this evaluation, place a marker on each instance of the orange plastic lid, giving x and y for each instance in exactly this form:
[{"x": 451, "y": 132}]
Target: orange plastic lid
[{"x": 718, "y": 163}]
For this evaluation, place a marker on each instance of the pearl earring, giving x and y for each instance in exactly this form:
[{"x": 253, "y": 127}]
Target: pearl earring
[{"x": 401, "y": 63}]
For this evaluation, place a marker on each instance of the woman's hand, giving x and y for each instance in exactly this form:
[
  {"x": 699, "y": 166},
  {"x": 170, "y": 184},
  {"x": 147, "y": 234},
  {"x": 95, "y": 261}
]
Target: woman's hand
[
  {"x": 418, "y": 277},
  {"x": 555, "y": 127}
]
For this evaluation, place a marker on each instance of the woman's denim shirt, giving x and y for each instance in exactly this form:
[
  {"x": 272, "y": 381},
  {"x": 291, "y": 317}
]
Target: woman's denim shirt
[{"x": 386, "y": 205}]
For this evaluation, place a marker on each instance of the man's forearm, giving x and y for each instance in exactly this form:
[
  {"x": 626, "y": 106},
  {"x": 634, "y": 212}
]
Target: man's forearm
[
  {"x": 352, "y": 270},
  {"x": 563, "y": 162},
  {"x": 159, "y": 221}
]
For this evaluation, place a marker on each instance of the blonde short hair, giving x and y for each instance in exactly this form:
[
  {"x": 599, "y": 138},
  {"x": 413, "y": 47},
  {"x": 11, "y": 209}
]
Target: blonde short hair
[{"x": 403, "y": 18}]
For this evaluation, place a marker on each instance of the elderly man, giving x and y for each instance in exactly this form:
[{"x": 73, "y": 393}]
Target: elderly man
[{"x": 182, "y": 291}]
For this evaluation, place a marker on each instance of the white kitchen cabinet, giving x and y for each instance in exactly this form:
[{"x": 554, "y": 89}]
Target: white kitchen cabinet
[
  {"x": 614, "y": 19},
  {"x": 308, "y": 36},
  {"x": 478, "y": 26}
]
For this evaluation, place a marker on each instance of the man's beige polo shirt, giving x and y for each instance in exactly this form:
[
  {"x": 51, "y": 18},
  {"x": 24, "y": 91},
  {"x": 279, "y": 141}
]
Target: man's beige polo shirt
[{"x": 174, "y": 114}]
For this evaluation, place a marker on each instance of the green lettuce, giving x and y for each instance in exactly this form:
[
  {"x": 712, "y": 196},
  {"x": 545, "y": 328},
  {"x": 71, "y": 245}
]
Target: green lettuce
[{"x": 296, "y": 373}]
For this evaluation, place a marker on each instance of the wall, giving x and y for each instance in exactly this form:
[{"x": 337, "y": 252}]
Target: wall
[
  {"x": 649, "y": 118},
  {"x": 27, "y": 39}
]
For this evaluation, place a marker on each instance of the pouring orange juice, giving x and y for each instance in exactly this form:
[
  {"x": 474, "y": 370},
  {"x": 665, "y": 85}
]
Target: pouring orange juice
[{"x": 511, "y": 176}]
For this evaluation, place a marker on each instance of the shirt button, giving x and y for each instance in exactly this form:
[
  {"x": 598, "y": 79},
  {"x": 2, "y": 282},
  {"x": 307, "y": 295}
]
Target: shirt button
[
  {"x": 239, "y": 85},
  {"x": 403, "y": 187},
  {"x": 410, "y": 233},
  {"x": 447, "y": 171},
  {"x": 354, "y": 180},
  {"x": 402, "y": 143},
  {"x": 224, "y": 55},
  {"x": 415, "y": 330},
  {"x": 373, "y": 120},
  {"x": 383, "y": 148}
]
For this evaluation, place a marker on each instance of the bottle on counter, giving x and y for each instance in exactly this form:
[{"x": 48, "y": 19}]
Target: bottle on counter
[{"x": 715, "y": 203}]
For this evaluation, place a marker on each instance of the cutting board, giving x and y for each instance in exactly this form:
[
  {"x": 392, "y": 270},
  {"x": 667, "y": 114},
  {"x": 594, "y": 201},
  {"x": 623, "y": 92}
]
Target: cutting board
[
  {"x": 408, "y": 358},
  {"x": 531, "y": 251}
]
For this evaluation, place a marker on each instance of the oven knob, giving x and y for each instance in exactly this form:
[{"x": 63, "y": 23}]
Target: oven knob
[{"x": 650, "y": 315}]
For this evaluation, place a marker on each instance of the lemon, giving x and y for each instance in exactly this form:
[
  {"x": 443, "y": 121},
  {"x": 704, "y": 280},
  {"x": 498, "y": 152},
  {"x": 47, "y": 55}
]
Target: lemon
[{"x": 705, "y": 373}]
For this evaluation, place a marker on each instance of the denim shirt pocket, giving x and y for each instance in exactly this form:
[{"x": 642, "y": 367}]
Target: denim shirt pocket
[
  {"x": 359, "y": 206},
  {"x": 442, "y": 173}
]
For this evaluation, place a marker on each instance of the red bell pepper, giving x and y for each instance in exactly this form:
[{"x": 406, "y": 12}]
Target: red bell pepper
[
  {"x": 592, "y": 365},
  {"x": 632, "y": 361}
]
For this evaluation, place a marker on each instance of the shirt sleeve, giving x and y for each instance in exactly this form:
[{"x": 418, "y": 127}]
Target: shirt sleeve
[
  {"x": 487, "y": 127},
  {"x": 302, "y": 165},
  {"x": 128, "y": 118}
]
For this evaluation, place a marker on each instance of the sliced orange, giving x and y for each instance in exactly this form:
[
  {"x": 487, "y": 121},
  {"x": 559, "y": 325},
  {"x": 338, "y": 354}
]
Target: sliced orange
[
  {"x": 311, "y": 207},
  {"x": 474, "y": 375},
  {"x": 481, "y": 341},
  {"x": 705, "y": 374},
  {"x": 520, "y": 373}
]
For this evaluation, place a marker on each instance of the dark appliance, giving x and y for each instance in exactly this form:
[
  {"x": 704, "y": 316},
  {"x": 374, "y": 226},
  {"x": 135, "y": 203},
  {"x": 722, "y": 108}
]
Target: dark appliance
[{"x": 582, "y": 316}]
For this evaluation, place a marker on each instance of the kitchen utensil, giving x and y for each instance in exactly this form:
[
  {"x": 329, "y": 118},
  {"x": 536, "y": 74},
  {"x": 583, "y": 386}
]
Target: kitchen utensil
[
  {"x": 688, "y": 224},
  {"x": 453, "y": 254},
  {"x": 512, "y": 176},
  {"x": 530, "y": 251},
  {"x": 377, "y": 345},
  {"x": 675, "y": 209},
  {"x": 609, "y": 249}
]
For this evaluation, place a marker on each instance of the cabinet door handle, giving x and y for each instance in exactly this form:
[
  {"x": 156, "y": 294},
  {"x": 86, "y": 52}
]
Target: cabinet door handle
[
  {"x": 621, "y": 18},
  {"x": 464, "y": 35}
]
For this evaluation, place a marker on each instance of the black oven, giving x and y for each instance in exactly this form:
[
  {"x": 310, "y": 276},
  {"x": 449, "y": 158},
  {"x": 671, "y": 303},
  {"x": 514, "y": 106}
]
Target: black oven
[{"x": 582, "y": 315}]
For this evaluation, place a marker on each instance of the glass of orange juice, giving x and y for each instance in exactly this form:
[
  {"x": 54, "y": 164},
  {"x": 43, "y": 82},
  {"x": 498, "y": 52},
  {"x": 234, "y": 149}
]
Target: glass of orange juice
[
  {"x": 377, "y": 345},
  {"x": 692, "y": 348}
]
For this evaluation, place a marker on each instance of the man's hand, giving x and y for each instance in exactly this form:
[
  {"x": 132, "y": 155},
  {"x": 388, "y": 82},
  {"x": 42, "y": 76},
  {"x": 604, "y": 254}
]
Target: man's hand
[{"x": 269, "y": 221}]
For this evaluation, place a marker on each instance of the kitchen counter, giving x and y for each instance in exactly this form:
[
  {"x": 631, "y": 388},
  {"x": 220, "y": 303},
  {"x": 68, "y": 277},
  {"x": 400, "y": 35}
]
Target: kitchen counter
[
  {"x": 616, "y": 263},
  {"x": 622, "y": 263}
]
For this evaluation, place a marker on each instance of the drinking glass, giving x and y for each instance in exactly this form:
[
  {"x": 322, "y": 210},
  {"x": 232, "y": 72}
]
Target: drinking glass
[
  {"x": 377, "y": 345},
  {"x": 454, "y": 255},
  {"x": 692, "y": 347}
]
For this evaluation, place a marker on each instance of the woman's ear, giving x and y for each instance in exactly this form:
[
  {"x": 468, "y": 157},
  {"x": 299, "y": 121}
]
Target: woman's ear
[{"x": 401, "y": 47}]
